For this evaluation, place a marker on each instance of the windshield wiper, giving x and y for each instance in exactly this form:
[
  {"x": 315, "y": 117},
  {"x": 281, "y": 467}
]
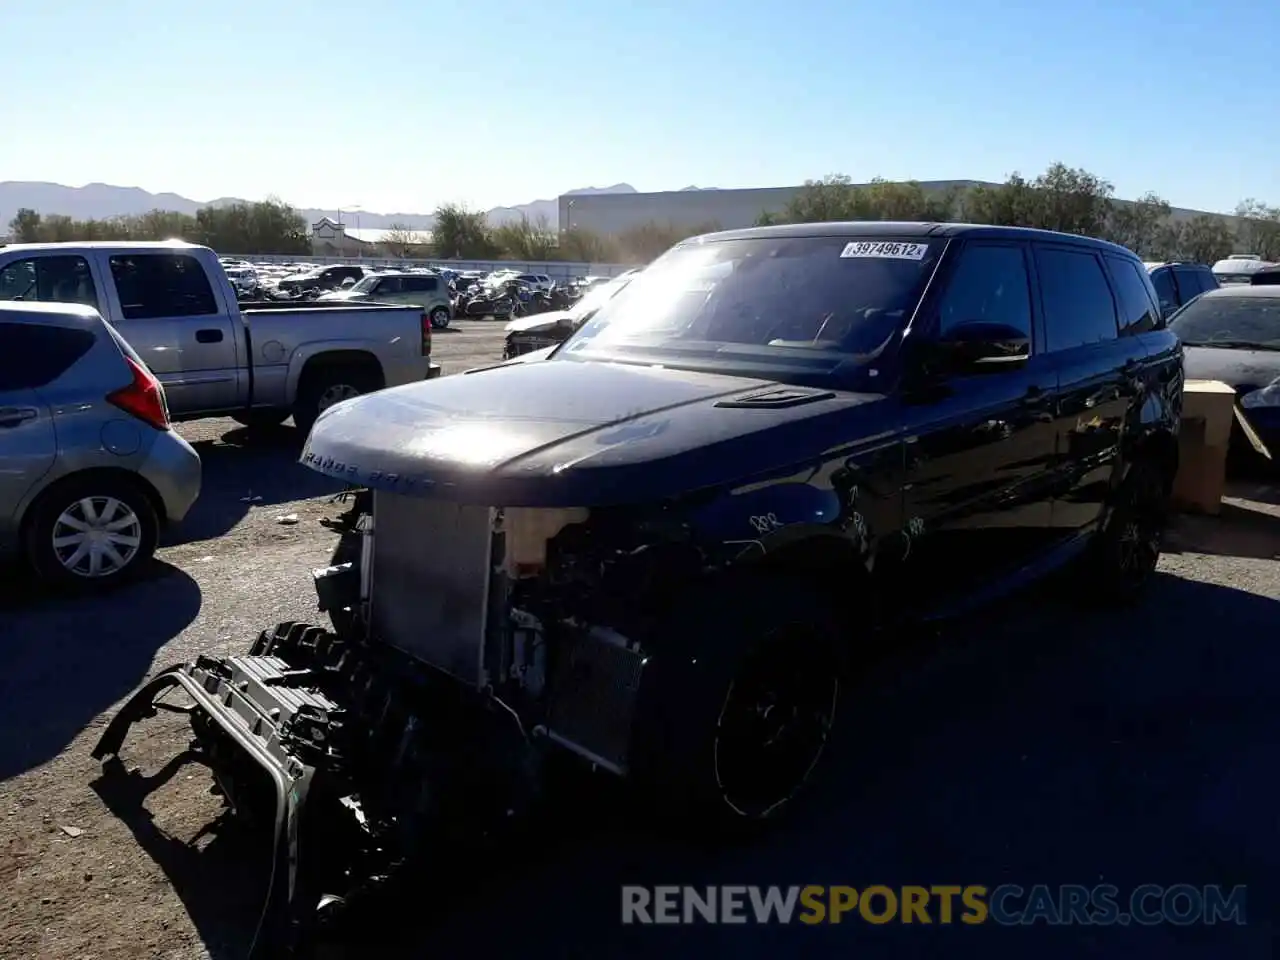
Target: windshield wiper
[{"x": 1232, "y": 344}]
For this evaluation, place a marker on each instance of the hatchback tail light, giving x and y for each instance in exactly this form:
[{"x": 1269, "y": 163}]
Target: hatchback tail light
[
  {"x": 426, "y": 333},
  {"x": 143, "y": 398}
]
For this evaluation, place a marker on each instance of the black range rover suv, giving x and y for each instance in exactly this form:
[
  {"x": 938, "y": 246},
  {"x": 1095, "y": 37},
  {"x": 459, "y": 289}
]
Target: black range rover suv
[
  {"x": 846, "y": 422},
  {"x": 660, "y": 545}
]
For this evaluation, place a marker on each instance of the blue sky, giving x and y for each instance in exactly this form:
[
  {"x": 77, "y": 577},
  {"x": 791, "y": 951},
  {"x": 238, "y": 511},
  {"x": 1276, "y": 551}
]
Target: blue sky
[{"x": 403, "y": 104}]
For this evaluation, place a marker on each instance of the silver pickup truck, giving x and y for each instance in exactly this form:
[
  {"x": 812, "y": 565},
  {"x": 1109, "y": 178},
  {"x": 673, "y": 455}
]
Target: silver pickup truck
[{"x": 174, "y": 304}]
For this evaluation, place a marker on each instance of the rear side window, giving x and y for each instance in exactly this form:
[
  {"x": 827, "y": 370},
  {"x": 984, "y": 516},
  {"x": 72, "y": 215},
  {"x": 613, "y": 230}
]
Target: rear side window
[
  {"x": 1078, "y": 306},
  {"x": 989, "y": 285},
  {"x": 49, "y": 280},
  {"x": 1190, "y": 282},
  {"x": 37, "y": 354},
  {"x": 152, "y": 285},
  {"x": 420, "y": 284},
  {"x": 1166, "y": 296},
  {"x": 1139, "y": 311}
]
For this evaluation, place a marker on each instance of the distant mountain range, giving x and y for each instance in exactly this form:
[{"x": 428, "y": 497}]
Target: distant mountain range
[{"x": 96, "y": 201}]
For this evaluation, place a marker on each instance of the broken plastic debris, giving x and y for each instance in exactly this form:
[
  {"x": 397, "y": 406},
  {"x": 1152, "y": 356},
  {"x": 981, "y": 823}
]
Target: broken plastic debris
[
  {"x": 72, "y": 832},
  {"x": 250, "y": 498},
  {"x": 202, "y": 559},
  {"x": 288, "y": 518}
]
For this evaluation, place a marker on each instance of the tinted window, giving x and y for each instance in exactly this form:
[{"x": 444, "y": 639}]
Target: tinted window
[
  {"x": 161, "y": 285},
  {"x": 989, "y": 284},
  {"x": 1190, "y": 282},
  {"x": 36, "y": 354},
  {"x": 1239, "y": 320},
  {"x": 49, "y": 280},
  {"x": 420, "y": 284},
  {"x": 1162, "y": 280},
  {"x": 1078, "y": 306},
  {"x": 387, "y": 286},
  {"x": 1138, "y": 309},
  {"x": 790, "y": 303}
]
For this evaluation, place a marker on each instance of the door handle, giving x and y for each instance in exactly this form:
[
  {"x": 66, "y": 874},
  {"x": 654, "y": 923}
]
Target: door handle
[
  {"x": 208, "y": 336},
  {"x": 13, "y": 416}
]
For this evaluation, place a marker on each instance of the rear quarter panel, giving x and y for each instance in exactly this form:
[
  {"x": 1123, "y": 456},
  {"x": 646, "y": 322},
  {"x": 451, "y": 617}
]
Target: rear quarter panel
[{"x": 91, "y": 432}]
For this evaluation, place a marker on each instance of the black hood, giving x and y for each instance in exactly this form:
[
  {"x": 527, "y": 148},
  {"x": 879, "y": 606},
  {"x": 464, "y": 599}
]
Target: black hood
[{"x": 574, "y": 433}]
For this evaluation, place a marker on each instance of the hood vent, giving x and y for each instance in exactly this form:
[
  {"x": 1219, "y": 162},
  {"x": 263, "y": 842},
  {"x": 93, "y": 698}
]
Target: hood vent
[{"x": 776, "y": 399}]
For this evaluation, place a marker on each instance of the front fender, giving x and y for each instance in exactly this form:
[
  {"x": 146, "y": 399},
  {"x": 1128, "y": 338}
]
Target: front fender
[{"x": 308, "y": 351}]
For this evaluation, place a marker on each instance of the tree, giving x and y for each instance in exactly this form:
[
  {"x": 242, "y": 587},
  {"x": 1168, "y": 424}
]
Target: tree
[
  {"x": 399, "y": 239},
  {"x": 579, "y": 245},
  {"x": 650, "y": 240},
  {"x": 1140, "y": 225},
  {"x": 1206, "y": 239},
  {"x": 241, "y": 228},
  {"x": 1260, "y": 228},
  {"x": 835, "y": 197},
  {"x": 462, "y": 234},
  {"x": 25, "y": 226},
  {"x": 523, "y": 240}
]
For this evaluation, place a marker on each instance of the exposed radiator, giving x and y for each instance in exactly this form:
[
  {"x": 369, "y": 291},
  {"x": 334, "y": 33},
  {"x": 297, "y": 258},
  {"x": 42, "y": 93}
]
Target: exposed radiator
[
  {"x": 429, "y": 590},
  {"x": 594, "y": 686}
]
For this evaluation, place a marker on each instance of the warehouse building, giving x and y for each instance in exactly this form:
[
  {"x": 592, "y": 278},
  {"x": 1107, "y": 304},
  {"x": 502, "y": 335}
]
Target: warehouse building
[{"x": 614, "y": 213}]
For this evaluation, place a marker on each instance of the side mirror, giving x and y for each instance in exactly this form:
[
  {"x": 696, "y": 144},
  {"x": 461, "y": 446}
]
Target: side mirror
[{"x": 982, "y": 347}]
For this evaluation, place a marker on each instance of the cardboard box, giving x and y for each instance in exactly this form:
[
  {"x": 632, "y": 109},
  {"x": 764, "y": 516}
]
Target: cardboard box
[{"x": 1208, "y": 413}]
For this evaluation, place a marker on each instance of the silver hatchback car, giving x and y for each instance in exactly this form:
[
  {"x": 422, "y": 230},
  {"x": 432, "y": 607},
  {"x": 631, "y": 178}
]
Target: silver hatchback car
[{"x": 90, "y": 469}]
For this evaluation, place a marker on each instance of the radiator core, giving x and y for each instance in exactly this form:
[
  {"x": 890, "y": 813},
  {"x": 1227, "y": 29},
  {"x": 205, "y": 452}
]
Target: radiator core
[{"x": 431, "y": 571}]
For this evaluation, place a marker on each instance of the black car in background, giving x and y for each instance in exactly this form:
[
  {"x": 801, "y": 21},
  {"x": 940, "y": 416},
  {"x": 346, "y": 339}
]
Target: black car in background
[
  {"x": 326, "y": 278},
  {"x": 1180, "y": 282},
  {"x": 1233, "y": 335}
]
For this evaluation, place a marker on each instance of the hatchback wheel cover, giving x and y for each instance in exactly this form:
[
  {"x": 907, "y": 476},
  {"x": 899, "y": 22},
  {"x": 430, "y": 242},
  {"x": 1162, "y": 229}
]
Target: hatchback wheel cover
[{"x": 97, "y": 537}]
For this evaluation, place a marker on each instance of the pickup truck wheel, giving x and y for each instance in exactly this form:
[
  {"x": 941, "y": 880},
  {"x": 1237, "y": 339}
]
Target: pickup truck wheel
[
  {"x": 440, "y": 318},
  {"x": 92, "y": 532},
  {"x": 1126, "y": 551},
  {"x": 261, "y": 419},
  {"x": 731, "y": 729},
  {"x": 321, "y": 390}
]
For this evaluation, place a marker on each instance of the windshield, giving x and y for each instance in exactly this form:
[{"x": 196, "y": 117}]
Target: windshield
[
  {"x": 776, "y": 300},
  {"x": 1229, "y": 321},
  {"x": 365, "y": 285},
  {"x": 597, "y": 297}
]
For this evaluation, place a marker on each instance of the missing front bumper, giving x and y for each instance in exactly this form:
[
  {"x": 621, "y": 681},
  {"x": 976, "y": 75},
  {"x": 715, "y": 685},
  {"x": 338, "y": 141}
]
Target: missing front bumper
[{"x": 359, "y": 768}]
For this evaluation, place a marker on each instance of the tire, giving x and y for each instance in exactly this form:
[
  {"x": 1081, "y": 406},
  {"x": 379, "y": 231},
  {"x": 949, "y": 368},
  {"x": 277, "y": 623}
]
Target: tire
[
  {"x": 440, "y": 318},
  {"x": 322, "y": 388},
  {"x": 695, "y": 748},
  {"x": 260, "y": 419},
  {"x": 132, "y": 530},
  {"x": 1123, "y": 557}
]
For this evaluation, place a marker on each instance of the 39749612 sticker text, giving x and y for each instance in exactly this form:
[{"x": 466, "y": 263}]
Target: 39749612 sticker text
[{"x": 884, "y": 249}]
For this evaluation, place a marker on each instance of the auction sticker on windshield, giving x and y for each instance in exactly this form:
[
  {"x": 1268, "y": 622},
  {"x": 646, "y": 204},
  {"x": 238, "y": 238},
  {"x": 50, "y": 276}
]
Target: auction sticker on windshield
[{"x": 885, "y": 249}]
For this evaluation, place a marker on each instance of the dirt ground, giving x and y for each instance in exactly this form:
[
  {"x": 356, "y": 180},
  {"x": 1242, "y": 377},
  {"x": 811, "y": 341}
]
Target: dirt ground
[{"x": 83, "y": 878}]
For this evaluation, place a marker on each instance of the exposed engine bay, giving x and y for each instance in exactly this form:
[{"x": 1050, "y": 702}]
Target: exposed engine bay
[{"x": 468, "y": 643}]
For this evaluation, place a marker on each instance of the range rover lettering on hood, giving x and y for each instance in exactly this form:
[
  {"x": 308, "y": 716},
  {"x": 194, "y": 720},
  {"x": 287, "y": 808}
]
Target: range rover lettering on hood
[{"x": 572, "y": 433}]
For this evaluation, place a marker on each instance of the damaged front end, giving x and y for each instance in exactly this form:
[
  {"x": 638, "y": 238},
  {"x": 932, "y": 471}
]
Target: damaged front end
[{"x": 461, "y": 654}]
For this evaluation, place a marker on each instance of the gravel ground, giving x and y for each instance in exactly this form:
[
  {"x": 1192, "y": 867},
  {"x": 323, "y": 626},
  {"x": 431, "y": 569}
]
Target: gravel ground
[{"x": 1042, "y": 744}]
